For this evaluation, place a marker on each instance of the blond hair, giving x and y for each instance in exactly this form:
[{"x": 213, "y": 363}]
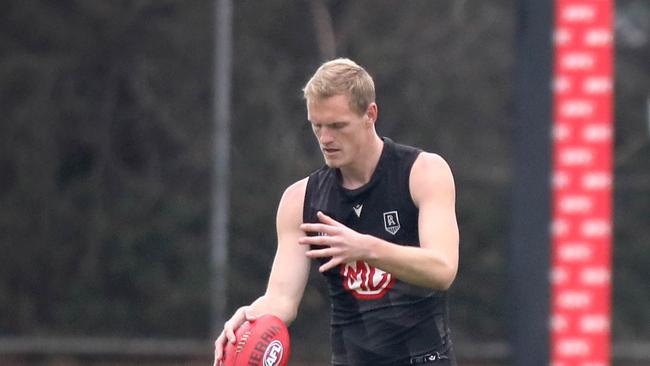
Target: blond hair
[{"x": 342, "y": 76}]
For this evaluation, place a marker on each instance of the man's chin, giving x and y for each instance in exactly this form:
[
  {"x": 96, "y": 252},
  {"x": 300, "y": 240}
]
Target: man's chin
[{"x": 331, "y": 163}]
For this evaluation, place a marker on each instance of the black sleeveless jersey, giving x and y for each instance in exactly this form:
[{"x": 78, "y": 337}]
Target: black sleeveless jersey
[{"x": 376, "y": 318}]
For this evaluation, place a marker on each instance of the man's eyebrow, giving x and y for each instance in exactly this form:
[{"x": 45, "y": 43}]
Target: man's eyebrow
[{"x": 330, "y": 123}]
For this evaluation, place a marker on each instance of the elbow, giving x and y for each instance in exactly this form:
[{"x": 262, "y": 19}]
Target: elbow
[
  {"x": 440, "y": 266},
  {"x": 445, "y": 285},
  {"x": 444, "y": 278}
]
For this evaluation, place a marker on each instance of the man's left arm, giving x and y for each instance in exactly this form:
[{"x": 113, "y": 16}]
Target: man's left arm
[{"x": 434, "y": 263}]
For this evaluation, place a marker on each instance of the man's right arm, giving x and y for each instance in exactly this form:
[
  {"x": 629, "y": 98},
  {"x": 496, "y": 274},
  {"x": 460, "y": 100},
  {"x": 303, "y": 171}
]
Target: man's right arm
[
  {"x": 289, "y": 273},
  {"x": 290, "y": 269}
]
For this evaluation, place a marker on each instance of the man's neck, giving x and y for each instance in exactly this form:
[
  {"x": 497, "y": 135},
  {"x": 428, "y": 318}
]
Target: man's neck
[{"x": 360, "y": 173}]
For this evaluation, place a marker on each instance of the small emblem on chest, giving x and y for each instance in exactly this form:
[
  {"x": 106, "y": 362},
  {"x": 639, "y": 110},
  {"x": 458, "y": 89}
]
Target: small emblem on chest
[
  {"x": 391, "y": 222},
  {"x": 357, "y": 209}
]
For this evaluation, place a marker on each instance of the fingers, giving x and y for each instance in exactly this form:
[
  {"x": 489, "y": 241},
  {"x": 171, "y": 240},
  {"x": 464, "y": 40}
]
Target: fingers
[
  {"x": 319, "y": 228},
  {"x": 329, "y": 265},
  {"x": 228, "y": 334},
  {"x": 241, "y": 315},
  {"x": 327, "y": 220},
  {"x": 323, "y": 253},
  {"x": 317, "y": 240},
  {"x": 335, "y": 253},
  {"x": 327, "y": 226},
  {"x": 218, "y": 349}
]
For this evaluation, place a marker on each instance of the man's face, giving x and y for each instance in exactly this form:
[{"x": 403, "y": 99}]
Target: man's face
[{"x": 340, "y": 131}]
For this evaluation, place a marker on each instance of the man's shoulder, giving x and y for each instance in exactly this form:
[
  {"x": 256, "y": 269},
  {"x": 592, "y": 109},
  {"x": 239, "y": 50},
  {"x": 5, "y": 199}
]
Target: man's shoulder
[
  {"x": 291, "y": 203},
  {"x": 430, "y": 175},
  {"x": 429, "y": 163},
  {"x": 435, "y": 159},
  {"x": 296, "y": 190}
]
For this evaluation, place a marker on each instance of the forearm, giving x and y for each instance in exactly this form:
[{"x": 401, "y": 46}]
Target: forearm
[{"x": 418, "y": 266}]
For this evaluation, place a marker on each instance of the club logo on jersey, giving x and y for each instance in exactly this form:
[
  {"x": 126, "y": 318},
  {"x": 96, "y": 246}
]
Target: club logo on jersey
[
  {"x": 273, "y": 354},
  {"x": 391, "y": 222},
  {"x": 365, "y": 281},
  {"x": 357, "y": 209}
]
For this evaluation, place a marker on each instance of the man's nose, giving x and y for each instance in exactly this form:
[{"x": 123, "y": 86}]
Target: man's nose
[{"x": 325, "y": 137}]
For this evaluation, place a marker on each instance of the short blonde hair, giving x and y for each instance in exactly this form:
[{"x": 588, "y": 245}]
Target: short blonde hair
[{"x": 342, "y": 76}]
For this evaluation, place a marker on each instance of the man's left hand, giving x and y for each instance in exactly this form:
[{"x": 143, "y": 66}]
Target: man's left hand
[{"x": 343, "y": 244}]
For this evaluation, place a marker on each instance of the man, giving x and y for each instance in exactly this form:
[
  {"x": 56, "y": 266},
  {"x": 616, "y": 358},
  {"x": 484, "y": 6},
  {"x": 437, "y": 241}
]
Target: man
[{"x": 380, "y": 219}]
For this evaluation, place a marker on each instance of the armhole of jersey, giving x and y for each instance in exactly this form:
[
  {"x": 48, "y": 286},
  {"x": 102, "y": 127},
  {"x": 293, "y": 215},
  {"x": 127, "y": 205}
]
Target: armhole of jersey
[
  {"x": 305, "y": 203},
  {"x": 408, "y": 181}
]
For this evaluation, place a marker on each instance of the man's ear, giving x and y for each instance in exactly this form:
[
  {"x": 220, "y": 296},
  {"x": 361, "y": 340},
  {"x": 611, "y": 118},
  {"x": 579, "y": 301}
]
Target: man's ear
[{"x": 371, "y": 113}]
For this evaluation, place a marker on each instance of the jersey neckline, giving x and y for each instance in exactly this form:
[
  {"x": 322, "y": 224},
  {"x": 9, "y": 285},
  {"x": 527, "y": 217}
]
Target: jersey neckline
[{"x": 354, "y": 194}]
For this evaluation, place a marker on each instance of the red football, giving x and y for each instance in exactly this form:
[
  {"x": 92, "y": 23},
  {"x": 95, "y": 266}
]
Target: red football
[{"x": 262, "y": 342}]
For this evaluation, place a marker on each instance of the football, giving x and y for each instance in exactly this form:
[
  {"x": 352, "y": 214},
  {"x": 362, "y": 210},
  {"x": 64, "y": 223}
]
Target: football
[{"x": 261, "y": 342}]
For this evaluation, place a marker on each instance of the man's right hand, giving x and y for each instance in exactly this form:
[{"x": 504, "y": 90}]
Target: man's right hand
[{"x": 245, "y": 313}]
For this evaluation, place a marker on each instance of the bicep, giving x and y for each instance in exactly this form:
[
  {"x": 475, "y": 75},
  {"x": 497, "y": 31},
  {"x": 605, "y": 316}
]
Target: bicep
[
  {"x": 432, "y": 189},
  {"x": 290, "y": 269}
]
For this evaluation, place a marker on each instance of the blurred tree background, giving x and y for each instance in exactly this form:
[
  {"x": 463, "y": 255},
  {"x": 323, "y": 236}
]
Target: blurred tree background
[{"x": 106, "y": 136}]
